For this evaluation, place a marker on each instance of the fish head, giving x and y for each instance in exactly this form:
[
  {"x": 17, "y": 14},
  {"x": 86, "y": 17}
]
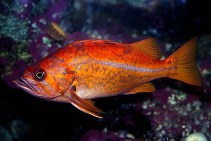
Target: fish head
[{"x": 45, "y": 82}]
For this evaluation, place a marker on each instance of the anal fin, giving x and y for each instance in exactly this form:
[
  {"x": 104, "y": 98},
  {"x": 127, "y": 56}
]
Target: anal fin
[
  {"x": 146, "y": 87},
  {"x": 84, "y": 105}
]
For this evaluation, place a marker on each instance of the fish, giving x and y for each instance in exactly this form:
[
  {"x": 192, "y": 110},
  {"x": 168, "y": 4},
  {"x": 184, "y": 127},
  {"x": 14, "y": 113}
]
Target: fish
[
  {"x": 93, "y": 68},
  {"x": 56, "y": 32}
]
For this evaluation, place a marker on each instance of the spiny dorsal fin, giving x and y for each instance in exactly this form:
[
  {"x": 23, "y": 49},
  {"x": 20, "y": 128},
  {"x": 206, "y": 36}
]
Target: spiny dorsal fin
[
  {"x": 146, "y": 87},
  {"x": 148, "y": 46}
]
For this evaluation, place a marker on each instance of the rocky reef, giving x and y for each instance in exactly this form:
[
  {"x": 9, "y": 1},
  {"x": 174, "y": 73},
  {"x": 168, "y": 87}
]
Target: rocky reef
[{"x": 172, "y": 113}]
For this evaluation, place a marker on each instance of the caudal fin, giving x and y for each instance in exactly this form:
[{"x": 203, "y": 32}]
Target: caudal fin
[{"x": 186, "y": 67}]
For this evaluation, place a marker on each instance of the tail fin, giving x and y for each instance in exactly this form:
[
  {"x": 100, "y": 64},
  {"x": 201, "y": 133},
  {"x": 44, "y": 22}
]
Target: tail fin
[{"x": 186, "y": 67}]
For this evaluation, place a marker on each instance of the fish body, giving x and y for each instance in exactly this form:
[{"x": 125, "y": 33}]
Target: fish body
[
  {"x": 56, "y": 32},
  {"x": 89, "y": 69},
  {"x": 105, "y": 68}
]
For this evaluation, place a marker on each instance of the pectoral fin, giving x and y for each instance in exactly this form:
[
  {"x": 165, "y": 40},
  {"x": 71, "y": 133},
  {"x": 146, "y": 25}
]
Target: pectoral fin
[
  {"x": 146, "y": 87},
  {"x": 86, "y": 106}
]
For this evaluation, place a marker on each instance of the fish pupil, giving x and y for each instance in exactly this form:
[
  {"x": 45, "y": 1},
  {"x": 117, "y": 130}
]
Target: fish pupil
[{"x": 39, "y": 75}]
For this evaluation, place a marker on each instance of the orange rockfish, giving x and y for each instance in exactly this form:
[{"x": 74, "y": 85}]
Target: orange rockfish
[{"x": 89, "y": 69}]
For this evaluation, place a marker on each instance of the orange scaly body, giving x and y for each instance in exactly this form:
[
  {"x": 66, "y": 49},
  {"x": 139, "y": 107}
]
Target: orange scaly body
[
  {"x": 97, "y": 68},
  {"x": 105, "y": 68}
]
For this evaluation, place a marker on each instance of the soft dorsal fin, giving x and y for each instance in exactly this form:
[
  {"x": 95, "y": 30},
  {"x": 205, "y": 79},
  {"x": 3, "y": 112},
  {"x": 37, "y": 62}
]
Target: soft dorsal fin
[
  {"x": 148, "y": 46},
  {"x": 146, "y": 87}
]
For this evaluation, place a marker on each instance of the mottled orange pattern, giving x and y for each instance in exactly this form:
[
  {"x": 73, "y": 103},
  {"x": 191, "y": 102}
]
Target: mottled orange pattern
[{"x": 90, "y": 69}]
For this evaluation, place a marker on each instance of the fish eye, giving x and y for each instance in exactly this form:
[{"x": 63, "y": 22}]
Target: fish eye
[{"x": 39, "y": 74}]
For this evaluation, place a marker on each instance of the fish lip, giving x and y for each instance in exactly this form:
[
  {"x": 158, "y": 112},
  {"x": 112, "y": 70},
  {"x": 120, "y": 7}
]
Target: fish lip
[{"x": 23, "y": 84}]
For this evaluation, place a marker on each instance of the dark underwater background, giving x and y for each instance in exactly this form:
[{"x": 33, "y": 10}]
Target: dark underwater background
[{"x": 174, "y": 112}]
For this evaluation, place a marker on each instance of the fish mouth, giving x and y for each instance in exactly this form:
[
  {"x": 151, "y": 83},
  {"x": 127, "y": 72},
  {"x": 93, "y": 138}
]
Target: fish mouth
[
  {"x": 27, "y": 87},
  {"x": 23, "y": 84}
]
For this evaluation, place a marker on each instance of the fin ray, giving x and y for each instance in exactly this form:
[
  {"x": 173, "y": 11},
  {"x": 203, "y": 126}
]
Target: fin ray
[
  {"x": 186, "y": 67},
  {"x": 146, "y": 87},
  {"x": 148, "y": 46},
  {"x": 84, "y": 105}
]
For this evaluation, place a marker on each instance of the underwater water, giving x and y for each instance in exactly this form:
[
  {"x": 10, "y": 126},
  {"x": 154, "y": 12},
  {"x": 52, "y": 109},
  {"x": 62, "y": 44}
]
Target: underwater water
[{"x": 31, "y": 29}]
